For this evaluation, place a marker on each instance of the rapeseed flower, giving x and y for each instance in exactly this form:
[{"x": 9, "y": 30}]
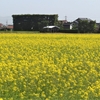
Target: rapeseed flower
[{"x": 49, "y": 67}]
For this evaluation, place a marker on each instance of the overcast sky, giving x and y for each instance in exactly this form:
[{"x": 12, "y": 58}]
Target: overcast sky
[{"x": 73, "y": 9}]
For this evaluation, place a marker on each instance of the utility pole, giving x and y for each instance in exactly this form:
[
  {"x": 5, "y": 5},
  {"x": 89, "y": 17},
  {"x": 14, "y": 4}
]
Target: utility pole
[
  {"x": 66, "y": 19},
  {"x": 7, "y": 23}
]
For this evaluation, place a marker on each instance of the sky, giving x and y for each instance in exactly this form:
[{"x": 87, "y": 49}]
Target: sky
[{"x": 73, "y": 9}]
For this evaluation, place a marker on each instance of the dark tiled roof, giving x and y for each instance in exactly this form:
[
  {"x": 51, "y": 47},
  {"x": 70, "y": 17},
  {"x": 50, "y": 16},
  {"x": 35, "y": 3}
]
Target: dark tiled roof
[
  {"x": 83, "y": 19},
  {"x": 98, "y": 24},
  {"x": 68, "y": 23}
]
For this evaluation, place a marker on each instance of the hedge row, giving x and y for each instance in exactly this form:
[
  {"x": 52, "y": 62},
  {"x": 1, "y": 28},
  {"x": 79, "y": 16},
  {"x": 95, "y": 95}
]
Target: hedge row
[{"x": 68, "y": 31}]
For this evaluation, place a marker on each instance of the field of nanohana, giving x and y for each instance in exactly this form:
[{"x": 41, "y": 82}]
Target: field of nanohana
[{"x": 49, "y": 67}]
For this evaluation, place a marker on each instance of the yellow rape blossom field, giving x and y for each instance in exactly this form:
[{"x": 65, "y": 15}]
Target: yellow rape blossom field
[{"x": 49, "y": 66}]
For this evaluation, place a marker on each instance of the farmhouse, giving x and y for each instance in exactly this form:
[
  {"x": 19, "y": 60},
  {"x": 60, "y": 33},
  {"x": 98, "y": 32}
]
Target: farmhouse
[
  {"x": 85, "y": 25},
  {"x": 62, "y": 21},
  {"x": 2, "y": 27},
  {"x": 64, "y": 24},
  {"x": 98, "y": 27},
  {"x": 76, "y": 22},
  {"x": 34, "y": 22},
  {"x": 67, "y": 25},
  {"x": 9, "y": 27}
]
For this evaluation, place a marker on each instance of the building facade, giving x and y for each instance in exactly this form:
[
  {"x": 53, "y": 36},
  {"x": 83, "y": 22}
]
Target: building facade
[{"x": 33, "y": 22}]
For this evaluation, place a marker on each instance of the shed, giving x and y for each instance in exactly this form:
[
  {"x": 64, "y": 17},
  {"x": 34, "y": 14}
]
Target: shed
[{"x": 51, "y": 29}]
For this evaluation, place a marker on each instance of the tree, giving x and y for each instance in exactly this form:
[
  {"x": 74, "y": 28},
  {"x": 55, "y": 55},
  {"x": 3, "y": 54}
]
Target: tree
[
  {"x": 85, "y": 26},
  {"x": 82, "y": 26},
  {"x": 92, "y": 26}
]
